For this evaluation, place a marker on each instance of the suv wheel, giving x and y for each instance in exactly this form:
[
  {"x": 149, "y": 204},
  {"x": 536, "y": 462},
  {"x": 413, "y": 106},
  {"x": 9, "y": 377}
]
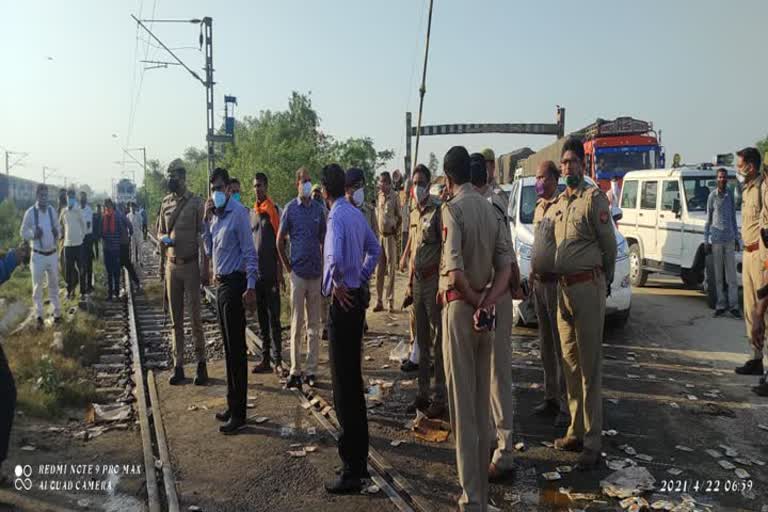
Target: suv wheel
[{"x": 637, "y": 276}]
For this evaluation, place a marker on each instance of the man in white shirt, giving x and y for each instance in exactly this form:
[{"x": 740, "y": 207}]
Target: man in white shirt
[
  {"x": 134, "y": 217},
  {"x": 39, "y": 229},
  {"x": 87, "y": 241},
  {"x": 71, "y": 218}
]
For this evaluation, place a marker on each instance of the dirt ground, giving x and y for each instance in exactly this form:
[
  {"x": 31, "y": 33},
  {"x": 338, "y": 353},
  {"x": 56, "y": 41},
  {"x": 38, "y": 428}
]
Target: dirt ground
[{"x": 668, "y": 382}]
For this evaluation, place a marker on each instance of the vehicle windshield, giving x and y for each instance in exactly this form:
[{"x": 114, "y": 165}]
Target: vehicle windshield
[
  {"x": 697, "y": 191},
  {"x": 528, "y": 202},
  {"x": 611, "y": 162}
]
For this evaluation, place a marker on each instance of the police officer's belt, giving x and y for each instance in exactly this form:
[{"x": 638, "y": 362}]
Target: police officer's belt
[
  {"x": 182, "y": 261},
  {"x": 385, "y": 234},
  {"x": 546, "y": 277},
  {"x": 581, "y": 277},
  {"x": 426, "y": 273},
  {"x": 752, "y": 247},
  {"x": 450, "y": 296},
  {"x": 44, "y": 253}
]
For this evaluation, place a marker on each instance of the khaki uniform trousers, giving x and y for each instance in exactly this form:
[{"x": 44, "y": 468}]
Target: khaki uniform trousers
[
  {"x": 467, "y": 358},
  {"x": 180, "y": 281},
  {"x": 386, "y": 269},
  {"x": 305, "y": 296},
  {"x": 581, "y": 314},
  {"x": 752, "y": 279},
  {"x": 429, "y": 337},
  {"x": 545, "y": 298},
  {"x": 502, "y": 386}
]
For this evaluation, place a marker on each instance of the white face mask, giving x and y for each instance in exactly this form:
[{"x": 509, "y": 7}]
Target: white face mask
[
  {"x": 306, "y": 189},
  {"x": 358, "y": 196},
  {"x": 420, "y": 193},
  {"x": 740, "y": 177}
]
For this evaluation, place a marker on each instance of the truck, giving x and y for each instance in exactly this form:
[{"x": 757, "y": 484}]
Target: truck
[{"x": 611, "y": 148}]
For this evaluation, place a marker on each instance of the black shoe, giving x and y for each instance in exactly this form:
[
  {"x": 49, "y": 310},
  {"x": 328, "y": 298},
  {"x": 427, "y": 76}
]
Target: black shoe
[
  {"x": 262, "y": 367},
  {"x": 718, "y": 312},
  {"x": 408, "y": 366},
  {"x": 40, "y": 323},
  {"x": 761, "y": 389},
  {"x": 294, "y": 382},
  {"x": 497, "y": 475},
  {"x": 325, "y": 334},
  {"x": 177, "y": 377},
  {"x": 436, "y": 410},
  {"x": 751, "y": 367},
  {"x": 310, "y": 380},
  {"x": 420, "y": 404},
  {"x": 344, "y": 484},
  {"x": 223, "y": 415},
  {"x": 548, "y": 407},
  {"x": 563, "y": 419},
  {"x": 378, "y": 307},
  {"x": 232, "y": 426},
  {"x": 588, "y": 460},
  {"x": 201, "y": 379},
  {"x": 279, "y": 370},
  {"x": 57, "y": 319},
  {"x": 735, "y": 313}
]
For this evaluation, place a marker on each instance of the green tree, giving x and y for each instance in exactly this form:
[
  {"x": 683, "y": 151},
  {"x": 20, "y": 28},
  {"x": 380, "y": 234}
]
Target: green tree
[
  {"x": 433, "y": 164},
  {"x": 762, "y": 146}
]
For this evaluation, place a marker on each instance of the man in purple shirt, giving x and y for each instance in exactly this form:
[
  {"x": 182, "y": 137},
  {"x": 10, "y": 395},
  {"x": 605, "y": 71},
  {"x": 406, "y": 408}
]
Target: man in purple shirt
[
  {"x": 235, "y": 265},
  {"x": 303, "y": 222},
  {"x": 351, "y": 251}
]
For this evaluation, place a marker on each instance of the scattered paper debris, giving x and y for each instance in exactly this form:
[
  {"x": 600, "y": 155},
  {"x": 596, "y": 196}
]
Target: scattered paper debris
[
  {"x": 262, "y": 419},
  {"x": 520, "y": 446},
  {"x": 28, "y": 448},
  {"x": 368, "y": 358},
  {"x": 761, "y": 426},
  {"x": 758, "y": 462},
  {"x": 632, "y": 376},
  {"x": 551, "y": 476},
  {"x": 430, "y": 430},
  {"x": 690, "y": 386},
  {"x": 725, "y": 464},
  {"x": 674, "y": 405},
  {"x": 104, "y": 413},
  {"x": 614, "y": 401},
  {"x": 310, "y": 449},
  {"x": 250, "y": 405},
  {"x": 616, "y": 464},
  {"x": 610, "y": 433},
  {"x": 306, "y": 405},
  {"x": 662, "y": 505},
  {"x": 675, "y": 471},
  {"x": 713, "y": 453},
  {"x": 194, "y": 508},
  {"x": 629, "y": 450},
  {"x": 743, "y": 461},
  {"x": 742, "y": 473},
  {"x": 158, "y": 464},
  {"x": 683, "y": 448},
  {"x": 643, "y": 457},
  {"x": 564, "y": 469},
  {"x": 297, "y": 453},
  {"x": 692, "y": 398},
  {"x": 396, "y": 442},
  {"x": 548, "y": 444},
  {"x": 192, "y": 408},
  {"x": 372, "y": 489},
  {"x": 311, "y": 431},
  {"x": 630, "y": 481}
]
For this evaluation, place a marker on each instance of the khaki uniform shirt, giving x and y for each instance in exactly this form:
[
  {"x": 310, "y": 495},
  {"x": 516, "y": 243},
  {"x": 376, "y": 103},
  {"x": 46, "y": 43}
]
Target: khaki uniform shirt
[
  {"x": 474, "y": 239},
  {"x": 425, "y": 230},
  {"x": 187, "y": 228},
  {"x": 544, "y": 247},
  {"x": 369, "y": 213},
  {"x": 584, "y": 232},
  {"x": 388, "y": 214},
  {"x": 751, "y": 216}
]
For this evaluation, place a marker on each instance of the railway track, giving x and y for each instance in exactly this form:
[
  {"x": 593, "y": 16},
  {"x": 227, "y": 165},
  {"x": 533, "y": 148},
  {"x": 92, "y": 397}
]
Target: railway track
[{"x": 136, "y": 344}]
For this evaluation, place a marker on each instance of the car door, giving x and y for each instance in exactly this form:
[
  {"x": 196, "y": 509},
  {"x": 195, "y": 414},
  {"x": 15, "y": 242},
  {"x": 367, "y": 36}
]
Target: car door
[
  {"x": 647, "y": 217},
  {"x": 628, "y": 222},
  {"x": 669, "y": 235}
]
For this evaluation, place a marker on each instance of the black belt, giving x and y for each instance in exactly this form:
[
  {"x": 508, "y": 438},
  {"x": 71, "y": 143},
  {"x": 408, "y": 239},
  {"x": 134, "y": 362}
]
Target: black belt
[
  {"x": 44, "y": 253},
  {"x": 237, "y": 274},
  {"x": 181, "y": 261}
]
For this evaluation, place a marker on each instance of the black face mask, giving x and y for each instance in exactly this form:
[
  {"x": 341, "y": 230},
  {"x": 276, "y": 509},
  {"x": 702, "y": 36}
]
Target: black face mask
[{"x": 173, "y": 185}]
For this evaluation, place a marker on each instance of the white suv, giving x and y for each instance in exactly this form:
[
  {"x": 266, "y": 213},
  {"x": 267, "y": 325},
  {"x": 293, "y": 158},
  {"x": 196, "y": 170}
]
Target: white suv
[
  {"x": 663, "y": 217},
  {"x": 522, "y": 203}
]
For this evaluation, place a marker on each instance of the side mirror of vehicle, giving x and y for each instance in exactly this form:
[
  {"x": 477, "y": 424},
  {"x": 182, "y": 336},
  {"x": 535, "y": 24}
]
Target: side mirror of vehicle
[
  {"x": 618, "y": 213},
  {"x": 676, "y": 209}
]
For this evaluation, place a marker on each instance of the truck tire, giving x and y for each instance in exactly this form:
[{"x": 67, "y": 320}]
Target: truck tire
[
  {"x": 709, "y": 282},
  {"x": 637, "y": 276}
]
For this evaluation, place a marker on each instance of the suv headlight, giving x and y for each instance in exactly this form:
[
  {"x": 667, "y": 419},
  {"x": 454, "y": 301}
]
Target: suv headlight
[
  {"x": 622, "y": 251},
  {"x": 523, "y": 250}
]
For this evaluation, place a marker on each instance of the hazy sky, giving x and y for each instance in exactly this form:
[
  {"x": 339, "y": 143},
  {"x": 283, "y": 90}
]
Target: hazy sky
[{"x": 695, "y": 68}]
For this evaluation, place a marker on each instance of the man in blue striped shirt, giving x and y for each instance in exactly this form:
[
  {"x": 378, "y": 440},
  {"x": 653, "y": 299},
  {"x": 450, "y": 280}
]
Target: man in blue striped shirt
[
  {"x": 722, "y": 235},
  {"x": 351, "y": 252},
  {"x": 235, "y": 264}
]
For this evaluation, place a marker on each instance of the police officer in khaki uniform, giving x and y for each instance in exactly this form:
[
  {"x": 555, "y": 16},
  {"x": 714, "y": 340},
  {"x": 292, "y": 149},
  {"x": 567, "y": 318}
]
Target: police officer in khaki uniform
[
  {"x": 179, "y": 231},
  {"x": 584, "y": 261},
  {"x": 390, "y": 218},
  {"x": 543, "y": 281},
  {"x": 502, "y": 387},
  {"x": 475, "y": 254},
  {"x": 754, "y": 216},
  {"x": 490, "y": 167},
  {"x": 425, "y": 243}
]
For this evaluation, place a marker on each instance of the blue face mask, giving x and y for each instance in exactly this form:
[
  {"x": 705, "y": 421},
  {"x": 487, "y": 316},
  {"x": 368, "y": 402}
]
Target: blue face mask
[
  {"x": 236, "y": 196},
  {"x": 219, "y": 198},
  {"x": 71, "y": 202}
]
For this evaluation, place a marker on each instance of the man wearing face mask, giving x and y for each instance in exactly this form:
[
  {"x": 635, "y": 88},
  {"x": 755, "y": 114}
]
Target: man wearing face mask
[
  {"x": 180, "y": 227},
  {"x": 233, "y": 190},
  {"x": 88, "y": 241},
  {"x": 584, "y": 261},
  {"x": 754, "y": 219},
  {"x": 425, "y": 239},
  {"x": 543, "y": 281},
  {"x": 389, "y": 217},
  {"x": 354, "y": 189},
  {"x": 303, "y": 221},
  {"x": 490, "y": 168},
  {"x": 40, "y": 229},
  {"x": 325, "y": 302},
  {"x": 71, "y": 219},
  {"x": 229, "y": 243}
]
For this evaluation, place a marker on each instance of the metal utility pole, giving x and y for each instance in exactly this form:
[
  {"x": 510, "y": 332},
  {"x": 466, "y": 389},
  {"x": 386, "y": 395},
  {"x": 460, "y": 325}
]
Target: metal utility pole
[
  {"x": 422, "y": 91},
  {"x": 48, "y": 172},
  {"x": 8, "y": 164}
]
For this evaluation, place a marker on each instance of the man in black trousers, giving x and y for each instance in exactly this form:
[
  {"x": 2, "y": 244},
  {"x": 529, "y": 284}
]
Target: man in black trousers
[
  {"x": 235, "y": 265},
  {"x": 351, "y": 252}
]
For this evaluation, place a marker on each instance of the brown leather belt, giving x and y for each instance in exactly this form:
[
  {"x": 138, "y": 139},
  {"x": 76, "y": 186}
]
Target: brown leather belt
[
  {"x": 546, "y": 277},
  {"x": 580, "y": 277},
  {"x": 752, "y": 247},
  {"x": 181, "y": 261},
  {"x": 426, "y": 273},
  {"x": 449, "y": 296},
  {"x": 44, "y": 253}
]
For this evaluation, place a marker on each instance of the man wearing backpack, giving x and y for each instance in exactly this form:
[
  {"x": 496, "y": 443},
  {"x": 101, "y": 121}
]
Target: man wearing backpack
[{"x": 40, "y": 229}]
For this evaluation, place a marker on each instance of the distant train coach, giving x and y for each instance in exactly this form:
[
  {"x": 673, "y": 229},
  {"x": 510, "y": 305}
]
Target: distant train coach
[
  {"x": 20, "y": 191},
  {"x": 125, "y": 191}
]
